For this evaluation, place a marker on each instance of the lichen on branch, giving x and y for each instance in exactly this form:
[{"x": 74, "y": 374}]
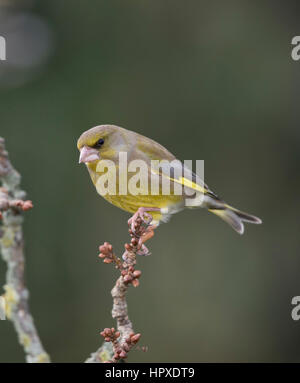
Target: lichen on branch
[{"x": 12, "y": 204}]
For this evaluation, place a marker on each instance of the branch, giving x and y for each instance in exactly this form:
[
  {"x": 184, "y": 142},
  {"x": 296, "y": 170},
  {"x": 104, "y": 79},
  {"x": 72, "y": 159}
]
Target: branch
[
  {"x": 12, "y": 203},
  {"x": 119, "y": 343}
]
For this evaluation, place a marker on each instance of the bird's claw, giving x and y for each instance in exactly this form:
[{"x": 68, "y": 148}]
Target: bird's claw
[
  {"x": 140, "y": 214},
  {"x": 143, "y": 250},
  {"x": 148, "y": 234},
  {"x": 140, "y": 233}
]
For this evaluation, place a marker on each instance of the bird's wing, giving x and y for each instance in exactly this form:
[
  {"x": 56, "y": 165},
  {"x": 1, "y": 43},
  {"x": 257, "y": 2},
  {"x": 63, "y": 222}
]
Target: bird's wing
[
  {"x": 171, "y": 168},
  {"x": 180, "y": 174}
]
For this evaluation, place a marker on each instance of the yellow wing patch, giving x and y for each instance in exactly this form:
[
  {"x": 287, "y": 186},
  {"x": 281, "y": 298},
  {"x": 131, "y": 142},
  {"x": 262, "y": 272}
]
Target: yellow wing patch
[
  {"x": 190, "y": 184},
  {"x": 185, "y": 182}
]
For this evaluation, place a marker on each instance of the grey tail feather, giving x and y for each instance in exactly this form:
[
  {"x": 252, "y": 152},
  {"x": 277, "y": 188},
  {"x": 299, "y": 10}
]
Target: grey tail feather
[
  {"x": 245, "y": 217},
  {"x": 232, "y": 216}
]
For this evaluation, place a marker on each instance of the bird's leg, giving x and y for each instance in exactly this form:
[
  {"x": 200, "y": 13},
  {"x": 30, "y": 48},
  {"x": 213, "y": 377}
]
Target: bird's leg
[
  {"x": 148, "y": 234},
  {"x": 143, "y": 215}
]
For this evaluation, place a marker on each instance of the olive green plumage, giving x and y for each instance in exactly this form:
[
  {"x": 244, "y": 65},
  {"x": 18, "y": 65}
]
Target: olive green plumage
[{"x": 105, "y": 142}]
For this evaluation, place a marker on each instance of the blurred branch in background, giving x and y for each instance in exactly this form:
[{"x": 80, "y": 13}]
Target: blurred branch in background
[
  {"x": 12, "y": 203},
  {"x": 119, "y": 343}
]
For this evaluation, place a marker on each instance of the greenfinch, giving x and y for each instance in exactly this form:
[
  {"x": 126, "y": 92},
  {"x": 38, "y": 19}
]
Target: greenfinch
[{"x": 104, "y": 143}]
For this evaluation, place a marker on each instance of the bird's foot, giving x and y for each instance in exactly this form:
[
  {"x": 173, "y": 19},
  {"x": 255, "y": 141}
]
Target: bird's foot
[
  {"x": 148, "y": 234},
  {"x": 143, "y": 250},
  {"x": 141, "y": 229},
  {"x": 141, "y": 214}
]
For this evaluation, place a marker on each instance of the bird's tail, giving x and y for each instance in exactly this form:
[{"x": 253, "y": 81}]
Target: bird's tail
[{"x": 234, "y": 217}]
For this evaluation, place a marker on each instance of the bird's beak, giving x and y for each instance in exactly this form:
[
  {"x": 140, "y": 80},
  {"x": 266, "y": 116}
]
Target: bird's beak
[{"x": 88, "y": 154}]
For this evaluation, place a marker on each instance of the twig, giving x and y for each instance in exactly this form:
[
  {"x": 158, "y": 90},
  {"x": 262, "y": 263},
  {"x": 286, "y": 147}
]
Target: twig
[
  {"x": 12, "y": 203},
  {"x": 119, "y": 343}
]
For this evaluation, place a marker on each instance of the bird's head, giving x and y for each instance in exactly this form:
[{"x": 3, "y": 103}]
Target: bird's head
[{"x": 99, "y": 142}]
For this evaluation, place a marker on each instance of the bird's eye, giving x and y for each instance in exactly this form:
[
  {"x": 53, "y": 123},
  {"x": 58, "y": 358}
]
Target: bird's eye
[{"x": 99, "y": 143}]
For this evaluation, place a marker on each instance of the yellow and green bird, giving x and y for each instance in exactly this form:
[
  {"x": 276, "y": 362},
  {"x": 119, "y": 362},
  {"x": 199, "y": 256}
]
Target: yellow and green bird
[{"x": 106, "y": 142}]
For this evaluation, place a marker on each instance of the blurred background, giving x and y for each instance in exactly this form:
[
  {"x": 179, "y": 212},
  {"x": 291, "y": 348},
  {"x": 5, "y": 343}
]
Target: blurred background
[{"x": 208, "y": 80}]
